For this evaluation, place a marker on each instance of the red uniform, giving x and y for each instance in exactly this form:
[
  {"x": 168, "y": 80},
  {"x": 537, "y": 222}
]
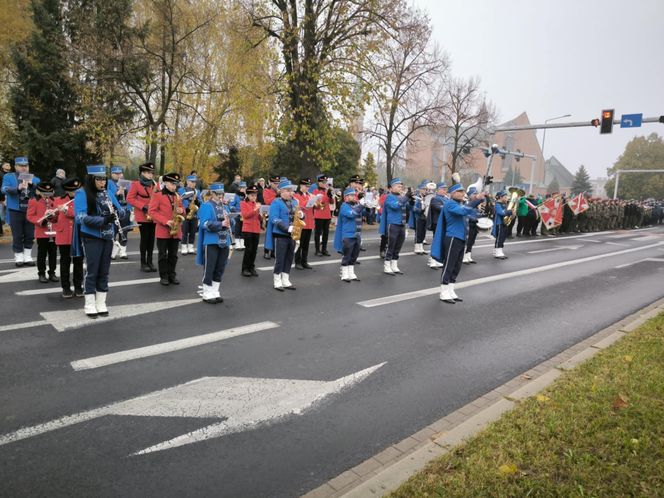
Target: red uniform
[
  {"x": 302, "y": 199},
  {"x": 160, "y": 210},
  {"x": 269, "y": 195},
  {"x": 139, "y": 196},
  {"x": 64, "y": 227},
  {"x": 323, "y": 212},
  {"x": 36, "y": 210},
  {"x": 251, "y": 219}
]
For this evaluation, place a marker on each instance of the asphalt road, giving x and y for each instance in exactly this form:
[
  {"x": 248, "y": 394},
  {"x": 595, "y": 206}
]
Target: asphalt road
[{"x": 262, "y": 413}]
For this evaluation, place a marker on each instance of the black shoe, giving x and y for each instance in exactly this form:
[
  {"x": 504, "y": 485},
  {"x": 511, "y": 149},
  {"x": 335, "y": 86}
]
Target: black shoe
[
  {"x": 299, "y": 266},
  {"x": 67, "y": 293},
  {"x": 382, "y": 254},
  {"x": 473, "y": 262},
  {"x": 358, "y": 262},
  {"x": 173, "y": 280},
  {"x": 306, "y": 266},
  {"x": 29, "y": 263},
  {"x": 19, "y": 264},
  {"x": 43, "y": 279},
  {"x": 164, "y": 281},
  {"x": 266, "y": 255},
  {"x": 362, "y": 249},
  {"x": 145, "y": 268},
  {"x": 449, "y": 301},
  {"x": 246, "y": 273},
  {"x": 79, "y": 292},
  {"x": 325, "y": 253},
  {"x": 254, "y": 273},
  {"x": 53, "y": 278},
  {"x": 210, "y": 301},
  {"x": 151, "y": 267},
  {"x": 458, "y": 299}
]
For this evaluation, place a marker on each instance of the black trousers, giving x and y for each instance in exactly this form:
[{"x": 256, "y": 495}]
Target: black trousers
[
  {"x": 350, "y": 251},
  {"x": 23, "y": 232},
  {"x": 146, "y": 246},
  {"x": 238, "y": 227},
  {"x": 522, "y": 225},
  {"x": 383, "y": 243},
  {"x": 97, "y": 253},
  {"x": 396, "y": 234},
  {"x": 189, "y": 229},
  {"x": 250, "y": 250},
  {"x": 322, "y": 229},
  {"x": 420, "y": 230},
  {"x": 284, "y": 247},
  {"x": 46, "y": 247},
  {"x": 168, "y": 257},
  {"x": 501, "y": 235},
  {"x": 215, "y": 263},
  {"x": 454, "y": 249},
  {"x": 65, "y": 263},
  {"x": 302, "y": 254},
  {"x": 472, "y": 235}
]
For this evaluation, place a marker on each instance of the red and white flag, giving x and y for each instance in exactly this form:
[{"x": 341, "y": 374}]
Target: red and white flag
[
  {"x": 551, "y": 212},
  {"x": 578, "y": 204}
]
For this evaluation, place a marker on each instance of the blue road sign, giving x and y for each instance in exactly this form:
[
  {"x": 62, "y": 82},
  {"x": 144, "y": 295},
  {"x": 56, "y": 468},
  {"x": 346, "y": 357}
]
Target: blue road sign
[{"x": 631, "y": 120}]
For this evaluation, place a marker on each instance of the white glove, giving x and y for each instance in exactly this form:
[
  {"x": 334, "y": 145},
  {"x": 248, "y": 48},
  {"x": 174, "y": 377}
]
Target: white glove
[{"x": 290, "y": 229}]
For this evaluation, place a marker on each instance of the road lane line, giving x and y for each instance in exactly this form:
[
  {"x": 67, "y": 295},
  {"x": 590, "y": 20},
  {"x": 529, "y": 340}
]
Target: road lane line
[
  {"x": 26, "y": 325},
  {"x": 168, "y": 347},
  {"x": 617, "y": 244},
  {"x": 119, "y": 283},
  {"x": 381, "y": 301}
]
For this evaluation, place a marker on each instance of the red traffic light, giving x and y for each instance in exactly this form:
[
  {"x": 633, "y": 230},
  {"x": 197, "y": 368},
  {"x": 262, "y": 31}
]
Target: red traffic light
[
  {"x": 607, "y": 114},
  {"x": 595, "y": 122},
  {"x": 607, "y": 121}
]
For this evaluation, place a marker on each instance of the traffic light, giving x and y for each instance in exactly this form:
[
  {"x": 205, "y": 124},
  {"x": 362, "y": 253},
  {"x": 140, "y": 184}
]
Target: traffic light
[
  {"x": 661, "y": 119},
  {"x": 595, "y": 122},
  {"x": 607, "y": 121},
  {"x": 488, "y": 180}
]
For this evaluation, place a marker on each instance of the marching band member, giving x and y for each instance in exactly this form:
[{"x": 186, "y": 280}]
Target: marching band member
[
  {"x": 18, "y": 193},
  {"x": 42, "y": 215},
  {"x": 380, "y": 213},
  {"x": 393, "y": 225},
  {"x": 97, "y": 218},
  {"x": 348, "y": 234},
  {"x": 450, "y": 240},
  {"x": 435, "y": 208},
  {"x": 499, "y": 229},
  {"x": 64, "y": 231},
  {"x": 418, "y": 218},
  {"x": 303, "y": 197},
  {"x": 167, "y": 212},
  {"x": 269, "y": 195},
  {"x": 214, "y": 241},
  {"x": 472, "y": 229},
  {"x": 191, "y": 200},
  {"x": 235, "y": 206},
  {"x": 357, "y": 183},
  {"x": 250, "y": 210},
  {"x": 139, "y": 197},
  {"x": 278, "y": 234},
  {"x": 120, "y": 245},
  {"x": 323, "y": 215}
]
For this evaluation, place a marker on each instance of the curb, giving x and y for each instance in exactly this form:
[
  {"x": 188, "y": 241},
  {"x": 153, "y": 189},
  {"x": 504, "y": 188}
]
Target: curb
[{"x": 386, "y": 471}]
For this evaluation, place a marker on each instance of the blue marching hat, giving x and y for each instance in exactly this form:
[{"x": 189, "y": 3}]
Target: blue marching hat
[
  {"x": 21, "y": 161},
  {"x": 500, "y": 194},
  {"x": 423, "y": 184},
  {"x": 350, "y": 191},
  {"x": 192, "y": 178},
  {"x": 216, "y": 187},
  {"x": 116, "y": 169},
  {"x": 285, "y": 183},
  {"x": 441, "y": 185},
  {"x": 97, "y": 170},
  {"x": 472, "y": 190},
  {"x": 243, "y": 185},
  {"x": 395, "y": 181},
  {"x": 454, "y": 188}
]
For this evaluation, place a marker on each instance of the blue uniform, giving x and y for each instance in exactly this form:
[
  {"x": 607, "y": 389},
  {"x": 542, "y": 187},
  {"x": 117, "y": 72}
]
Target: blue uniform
[
  {"x": 23, "y": 232},
  {"x": 499, "y": 230},
  {"x": 189, "y": 226},
  {"x": 348, "y": 235},
  {"x": 392, "y": 224},
  {"x": 277, "y": 236},
  {"x": 125, "y": 220},
  {"x": 214, "y": 240}
]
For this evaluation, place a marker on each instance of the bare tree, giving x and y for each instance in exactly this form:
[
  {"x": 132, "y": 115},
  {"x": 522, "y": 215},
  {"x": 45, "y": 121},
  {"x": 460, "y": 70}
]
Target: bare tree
[{"x": 407, "y": 85}]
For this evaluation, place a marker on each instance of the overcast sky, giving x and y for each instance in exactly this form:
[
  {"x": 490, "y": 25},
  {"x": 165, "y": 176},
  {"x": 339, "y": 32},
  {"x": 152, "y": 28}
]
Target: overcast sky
[{"x": 555, "y": 57}]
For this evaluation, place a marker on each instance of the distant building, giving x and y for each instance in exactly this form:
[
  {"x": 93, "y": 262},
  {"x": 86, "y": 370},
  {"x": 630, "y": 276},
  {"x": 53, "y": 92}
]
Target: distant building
[
  {"x": 554, "y": 170},
  {"x": 599, "y": 187}
]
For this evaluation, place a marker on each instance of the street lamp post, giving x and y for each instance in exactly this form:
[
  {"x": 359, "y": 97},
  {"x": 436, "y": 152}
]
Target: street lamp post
[{"x": 532, "y": 165}]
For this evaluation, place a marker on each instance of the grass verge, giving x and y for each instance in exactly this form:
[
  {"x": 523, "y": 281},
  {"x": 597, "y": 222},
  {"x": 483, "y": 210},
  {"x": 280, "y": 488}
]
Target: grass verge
[{"x": 598, "y": 431}]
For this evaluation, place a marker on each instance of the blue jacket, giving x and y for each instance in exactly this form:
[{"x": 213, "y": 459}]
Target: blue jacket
[
  {"x": 13, "y": 194},
  {"x": 349, "y": 224},
  {"x": 234, "y": 205},
  {"x": 187, "y": 201},
  {"x": 417, "y": 212},
  {"x": 210, "y": 231},
  {"x": 93, "y": 225},
  {"x": 280, "y": 219},
  {"x": 395, "y": 212},
  {"x": 500, "y": 212},
  {"x": 112, "y": 187}
]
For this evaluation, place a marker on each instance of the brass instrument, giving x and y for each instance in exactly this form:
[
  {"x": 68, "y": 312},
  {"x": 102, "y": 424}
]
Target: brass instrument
[
  {"x": 177, "y": 218},
  {"x": 298, "y": 224},
  {"x": 513, "y": 204},
  {"x": 155, "y": 189},
  {"x": 193, "y": 209}
]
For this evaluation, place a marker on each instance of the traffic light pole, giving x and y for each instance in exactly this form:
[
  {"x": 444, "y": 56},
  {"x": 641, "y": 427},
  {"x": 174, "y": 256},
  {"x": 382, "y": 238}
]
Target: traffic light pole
[
  {"x": 489, "y": 152},
  {"x": 618, "y": 172},
  {"x": 577, "y": 124}
]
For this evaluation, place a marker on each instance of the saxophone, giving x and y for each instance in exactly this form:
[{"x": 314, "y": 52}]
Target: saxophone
[
  {"x": 298, "y": 224},
  {"x": 177, "y": 218},
  {"x": 193, "y": 209}
]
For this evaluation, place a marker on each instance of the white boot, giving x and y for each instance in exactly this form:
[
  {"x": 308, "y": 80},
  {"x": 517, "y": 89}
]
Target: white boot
[
  {"x": 192, "y": 248},
  {"x": 215, "y": 290},
  {"x": 90, "y": 308},
  {"x": 395, "y": 268},
  {"x": 470, "y": 258},
  {"x": 351, "y": 273},
  {"x": 100, "y": 303},
  {"x": 184, "y": 249},
  {"x": 115, "y": 250},
  {"x": 123, "y": 252},
  {"x": 285, "y": 281},
  {"x": 241, "y": 246},
  {"x": 434, "y": 264},
  {"x": 453, "y": 294},
  {"x": 345, "y": 277},
  {"x": 466, "y": 258},
  {"x": 500, "y": 254},
  {"x": 27, "y": 257},
  {"x": 445, "y": 294},
  {"x": 387, "y": 267},
  {"x": 209, "y": 295},
  {"x": 18, "y": 259},
  {"x": 277, "y": 281},
  {"x": 417, "y": 249}
]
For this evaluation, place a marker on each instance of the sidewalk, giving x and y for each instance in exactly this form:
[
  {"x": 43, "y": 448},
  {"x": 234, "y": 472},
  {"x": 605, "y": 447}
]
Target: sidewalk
[{"x": 388, "y": 470}]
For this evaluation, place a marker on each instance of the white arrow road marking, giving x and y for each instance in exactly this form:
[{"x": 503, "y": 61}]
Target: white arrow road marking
[
  {"x": 119, "y": 283},
  {"x": 639, "y": 261},
  {"x": 243, "y": 403},
  {"x": 572, "y": 248},
  {"x": 371, "y": 303},
  {"x": 167, "y": 347}
]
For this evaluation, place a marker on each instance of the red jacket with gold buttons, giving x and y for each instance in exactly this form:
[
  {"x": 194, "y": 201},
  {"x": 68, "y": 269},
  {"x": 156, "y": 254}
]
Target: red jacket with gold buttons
[{"x": 161, "y": 212}]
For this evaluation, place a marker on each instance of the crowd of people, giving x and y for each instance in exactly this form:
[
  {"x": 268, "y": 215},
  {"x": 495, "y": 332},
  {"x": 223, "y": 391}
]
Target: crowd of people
[{"x": 89, "y": 220}]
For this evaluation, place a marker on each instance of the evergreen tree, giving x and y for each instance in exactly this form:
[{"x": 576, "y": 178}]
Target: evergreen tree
[
  {"x": 229, "y": 166},
  {"x": 581, "y": 181},
  {"x": 369, "y": 170},
  {"x": 44, "y": 100}
]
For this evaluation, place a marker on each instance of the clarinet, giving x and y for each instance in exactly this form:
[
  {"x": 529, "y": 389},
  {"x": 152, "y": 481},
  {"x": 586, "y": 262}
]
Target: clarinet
[{"x": 116, "y": 220}]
